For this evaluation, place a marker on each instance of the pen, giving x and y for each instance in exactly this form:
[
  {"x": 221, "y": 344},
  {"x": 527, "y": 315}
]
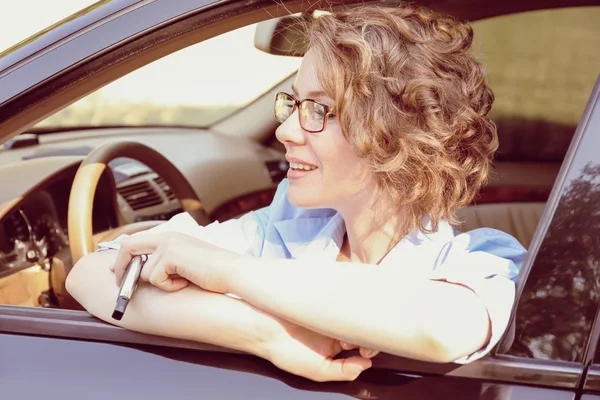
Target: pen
[{"x": 128, "y": 286}]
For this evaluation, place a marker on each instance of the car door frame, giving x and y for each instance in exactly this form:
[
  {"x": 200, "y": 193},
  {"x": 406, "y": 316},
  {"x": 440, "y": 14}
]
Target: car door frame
[
  {"x": 589, "y": 376},
  {"x": 589, "y": 386}
]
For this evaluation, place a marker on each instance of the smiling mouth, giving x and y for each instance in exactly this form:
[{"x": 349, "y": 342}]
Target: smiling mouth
[{"x": 302, "y": 167}]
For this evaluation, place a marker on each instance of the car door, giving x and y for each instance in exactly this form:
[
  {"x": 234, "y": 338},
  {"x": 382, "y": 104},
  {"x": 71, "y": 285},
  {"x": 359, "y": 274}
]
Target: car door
[{"x": 70, "y": 355}]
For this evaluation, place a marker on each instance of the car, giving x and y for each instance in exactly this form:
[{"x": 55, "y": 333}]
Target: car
[{"x": 80, "y": 165}]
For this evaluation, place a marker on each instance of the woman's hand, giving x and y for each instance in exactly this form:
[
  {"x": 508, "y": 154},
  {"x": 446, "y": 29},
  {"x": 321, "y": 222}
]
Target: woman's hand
[
  {"x": 175, "y": 260},
  {"x": 303, "y": 352},
  {"x": 367, "y": 353}
]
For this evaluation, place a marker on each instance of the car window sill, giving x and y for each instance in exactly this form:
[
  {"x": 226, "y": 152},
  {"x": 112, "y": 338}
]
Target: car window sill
[{"x": 74, "y": 324}]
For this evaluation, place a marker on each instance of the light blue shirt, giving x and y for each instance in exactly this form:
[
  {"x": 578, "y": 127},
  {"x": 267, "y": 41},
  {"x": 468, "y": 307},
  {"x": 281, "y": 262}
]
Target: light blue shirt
[{"x": 485, "y": 260}]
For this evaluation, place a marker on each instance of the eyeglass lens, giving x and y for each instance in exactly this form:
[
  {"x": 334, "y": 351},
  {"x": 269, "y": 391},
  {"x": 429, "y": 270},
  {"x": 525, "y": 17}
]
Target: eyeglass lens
[{"x": 311, "y": 113}]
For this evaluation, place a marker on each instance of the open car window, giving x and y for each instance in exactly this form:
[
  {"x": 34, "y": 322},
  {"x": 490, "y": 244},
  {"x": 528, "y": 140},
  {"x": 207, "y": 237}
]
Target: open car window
[
  {"x": 196, "y": 86},
  {"x": 542, "y": 68}
]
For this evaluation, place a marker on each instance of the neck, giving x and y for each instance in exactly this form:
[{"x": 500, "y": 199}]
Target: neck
[{"x": 370, "y": 231}]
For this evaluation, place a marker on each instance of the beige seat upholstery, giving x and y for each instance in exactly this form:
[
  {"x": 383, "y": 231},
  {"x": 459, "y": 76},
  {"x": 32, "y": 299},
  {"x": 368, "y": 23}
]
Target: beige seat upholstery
[{"x": 517, "y": 219}]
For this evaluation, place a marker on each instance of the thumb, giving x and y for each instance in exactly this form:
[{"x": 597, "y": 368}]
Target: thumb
[{"x": 345, "y": 369}]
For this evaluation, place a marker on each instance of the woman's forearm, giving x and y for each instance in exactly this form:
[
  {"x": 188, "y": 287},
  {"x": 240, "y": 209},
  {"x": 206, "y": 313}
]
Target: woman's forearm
[
  {"x": 367, "y": 306},
  {"x": 190, "y": 314}
]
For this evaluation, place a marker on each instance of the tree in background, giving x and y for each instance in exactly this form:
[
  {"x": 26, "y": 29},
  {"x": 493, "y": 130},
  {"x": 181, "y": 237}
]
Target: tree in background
[{"x": 561, "y": 296}]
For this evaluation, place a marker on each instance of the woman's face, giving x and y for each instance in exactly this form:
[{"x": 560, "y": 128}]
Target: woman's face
[{"x": 336, "y": 177}]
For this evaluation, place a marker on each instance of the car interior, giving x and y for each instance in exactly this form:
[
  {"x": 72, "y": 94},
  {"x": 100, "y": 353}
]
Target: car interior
[{"x": 233, "y": 164}]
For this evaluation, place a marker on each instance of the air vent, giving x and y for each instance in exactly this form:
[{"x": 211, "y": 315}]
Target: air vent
[
  {"x": 165, "y": 188},
  {"x": 140, "y": 195}
]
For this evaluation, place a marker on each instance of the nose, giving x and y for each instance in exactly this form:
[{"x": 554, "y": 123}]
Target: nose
[{"x": 290, "y": 131}]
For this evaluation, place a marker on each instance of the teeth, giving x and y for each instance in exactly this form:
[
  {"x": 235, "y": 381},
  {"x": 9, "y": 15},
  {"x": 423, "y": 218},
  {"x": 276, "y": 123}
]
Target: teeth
[{"x": 305, "y": 167}]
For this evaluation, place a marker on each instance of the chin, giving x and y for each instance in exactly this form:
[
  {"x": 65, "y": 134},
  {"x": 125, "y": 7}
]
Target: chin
[{"x": 303, "y": 198}]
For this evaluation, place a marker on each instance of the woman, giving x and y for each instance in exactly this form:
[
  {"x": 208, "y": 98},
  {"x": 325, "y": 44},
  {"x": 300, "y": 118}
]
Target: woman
[{"x": 387, "y": 135}]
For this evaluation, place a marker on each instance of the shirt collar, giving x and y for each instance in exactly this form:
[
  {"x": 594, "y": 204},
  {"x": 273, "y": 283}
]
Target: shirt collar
[
  {"x": 321, "y": 237},
  {"x": 306, "y": 237}
]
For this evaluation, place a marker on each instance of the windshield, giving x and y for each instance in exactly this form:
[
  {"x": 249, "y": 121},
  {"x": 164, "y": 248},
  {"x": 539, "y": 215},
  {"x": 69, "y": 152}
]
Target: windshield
[{"x": 195, "y": 86}]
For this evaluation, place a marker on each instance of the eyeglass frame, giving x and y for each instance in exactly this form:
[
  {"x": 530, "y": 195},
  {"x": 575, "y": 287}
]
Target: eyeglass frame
[{"x": 329, "y": 110}]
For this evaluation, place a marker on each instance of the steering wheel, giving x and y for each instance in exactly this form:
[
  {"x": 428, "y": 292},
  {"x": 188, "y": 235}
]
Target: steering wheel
[{"x": 81, "y": 199}]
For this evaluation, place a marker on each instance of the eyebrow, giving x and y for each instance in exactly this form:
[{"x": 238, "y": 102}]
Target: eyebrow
[{"x": 311, "y": 94}]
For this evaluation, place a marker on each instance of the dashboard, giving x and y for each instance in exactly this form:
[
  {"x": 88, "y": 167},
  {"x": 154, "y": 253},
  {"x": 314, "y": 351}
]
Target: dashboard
[
  {"x": 35, "y": 229},
  {"x": 31, "y": 234},
  {"x": 230, "y": 176}
]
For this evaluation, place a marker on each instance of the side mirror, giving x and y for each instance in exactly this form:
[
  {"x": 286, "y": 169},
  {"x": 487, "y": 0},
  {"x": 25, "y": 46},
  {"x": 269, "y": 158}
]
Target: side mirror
[{"x": 282, "y": 36}]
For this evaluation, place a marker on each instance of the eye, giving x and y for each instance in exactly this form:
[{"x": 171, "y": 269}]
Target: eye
[{"x": 319, "y": 112}]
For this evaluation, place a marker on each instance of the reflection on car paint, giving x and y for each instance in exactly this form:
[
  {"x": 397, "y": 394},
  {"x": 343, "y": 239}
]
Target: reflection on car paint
[{"x": 560, "y": 300}]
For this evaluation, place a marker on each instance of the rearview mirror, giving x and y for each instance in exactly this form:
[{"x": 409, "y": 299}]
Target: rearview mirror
[{"x": 282, "y": 36}]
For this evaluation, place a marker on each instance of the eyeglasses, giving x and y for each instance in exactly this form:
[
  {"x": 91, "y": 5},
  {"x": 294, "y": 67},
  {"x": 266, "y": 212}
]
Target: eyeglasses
[{"x": 312, "y": 114}]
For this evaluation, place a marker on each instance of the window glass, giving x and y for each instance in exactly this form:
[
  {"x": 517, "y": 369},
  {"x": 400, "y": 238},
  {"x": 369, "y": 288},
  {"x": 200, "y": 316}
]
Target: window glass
[
  {"x": 195, "y": 86},
  {"x": 541, "y": 66},
  {"x": 560, "y": 299}
]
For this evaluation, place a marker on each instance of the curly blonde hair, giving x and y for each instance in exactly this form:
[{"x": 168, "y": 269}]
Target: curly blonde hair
[{"x": 412, "y": 101}]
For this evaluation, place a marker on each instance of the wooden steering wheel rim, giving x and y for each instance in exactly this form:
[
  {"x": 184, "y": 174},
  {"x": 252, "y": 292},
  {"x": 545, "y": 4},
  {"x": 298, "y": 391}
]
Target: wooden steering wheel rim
[{"x": 81, "y": 198}]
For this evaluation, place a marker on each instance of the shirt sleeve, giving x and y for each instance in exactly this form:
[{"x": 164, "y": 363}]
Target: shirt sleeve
[
  {"x": 487, "y": 261},
  {"x": 241, "y": 235}
]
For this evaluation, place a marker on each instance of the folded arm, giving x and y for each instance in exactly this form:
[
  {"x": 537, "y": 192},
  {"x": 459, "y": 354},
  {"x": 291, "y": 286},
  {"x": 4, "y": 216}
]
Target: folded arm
[
  {"x": 455, "y": 313},
  {"x": 198, "y": 315},
  {"x": 375, "y": 308},
  {"x": 190, "y": 314}
]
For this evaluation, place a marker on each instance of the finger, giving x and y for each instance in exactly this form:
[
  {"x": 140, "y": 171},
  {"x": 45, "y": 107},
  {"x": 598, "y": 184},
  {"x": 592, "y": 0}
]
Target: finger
[
  {"x": 343, "y": 369},
  {"x": 368, "y": 353},
  {"x": 175, "y": 283},
  {"x": 348, "y": 346},
  {"x": 160, "y": 271},
  {"x": 150, "y": 264},
  {"x": 132, "y": 246},
  {"x": 162, "y": 277}
]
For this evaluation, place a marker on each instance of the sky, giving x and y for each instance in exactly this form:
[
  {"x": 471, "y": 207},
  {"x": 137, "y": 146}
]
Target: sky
[
  {"x": 17, "y": 21},
  {"x": 183, "y": 78}
]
